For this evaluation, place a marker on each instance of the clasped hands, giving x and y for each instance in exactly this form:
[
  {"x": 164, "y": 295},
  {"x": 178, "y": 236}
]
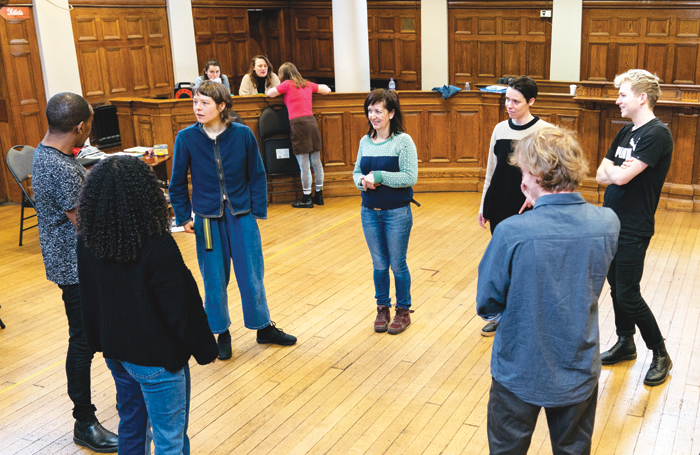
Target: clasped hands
[{"x": 368, "y": 182}]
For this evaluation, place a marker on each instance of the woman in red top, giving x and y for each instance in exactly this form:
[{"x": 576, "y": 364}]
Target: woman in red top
[{"x": 305, "y": 135}]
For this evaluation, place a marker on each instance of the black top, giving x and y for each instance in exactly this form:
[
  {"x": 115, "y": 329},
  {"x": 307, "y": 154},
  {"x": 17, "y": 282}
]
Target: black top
[
  {"x": 261, "y": 83},
  {"x": 504, "y": 197},
  {"x": 148, "y": 312},
  {"x": 635, "y": 203}
]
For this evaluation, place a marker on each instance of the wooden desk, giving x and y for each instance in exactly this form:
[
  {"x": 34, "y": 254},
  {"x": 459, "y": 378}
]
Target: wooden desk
[{"x": 159, "y": 165}]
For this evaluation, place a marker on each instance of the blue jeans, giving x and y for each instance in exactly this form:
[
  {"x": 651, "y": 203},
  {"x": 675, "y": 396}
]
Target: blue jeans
[
  {"x": 134, "y": 429},
  {"x": 166, "y": 397},
  {"x": 234, "y": 238},
  {"x": 387, "y": 233}
]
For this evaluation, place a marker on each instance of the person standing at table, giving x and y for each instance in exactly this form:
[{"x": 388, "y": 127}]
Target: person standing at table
[
  {"x": 260, "y": 77},
  {"x": 305, "y": 135},
  {"x": 501, "y": 196},
  {"x": 56, "y": 180},
  {"x": 229, "y": 195},
  {"x": 635, "y": 169},
  {"x": 385, "y": 171},
  {"x": 543, "y": 271},
  {"x": 212, "y": 72}
]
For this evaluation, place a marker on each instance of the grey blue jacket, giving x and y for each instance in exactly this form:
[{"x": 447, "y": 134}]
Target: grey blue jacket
[
  {"x": 543, "y": 271},
  {"x": 226, "y": 172}
]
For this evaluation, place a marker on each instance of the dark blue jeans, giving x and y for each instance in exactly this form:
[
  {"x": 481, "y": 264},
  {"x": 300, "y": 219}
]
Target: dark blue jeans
[
  {"x": 78, "y": 358},
  {"x": 510, "y": 423},
  {"x": 134, "y": 429},
  {"x": 387, "y": 233},
  {"x": 624, "y": 276},
  {"x": 155, "y": 397}
]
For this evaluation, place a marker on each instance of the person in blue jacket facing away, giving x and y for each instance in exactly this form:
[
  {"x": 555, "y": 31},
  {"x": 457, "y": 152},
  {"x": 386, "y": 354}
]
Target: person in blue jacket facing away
[{"x": 229, "y": 195}]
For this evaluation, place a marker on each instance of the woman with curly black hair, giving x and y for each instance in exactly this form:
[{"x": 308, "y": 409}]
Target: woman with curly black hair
[{"x": 141, "y": 306}]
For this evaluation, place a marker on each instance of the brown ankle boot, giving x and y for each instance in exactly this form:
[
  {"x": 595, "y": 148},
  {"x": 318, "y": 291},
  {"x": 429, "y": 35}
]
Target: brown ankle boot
[
  {"x": 381, "y": 324},
  {"x": 401, "y": 321}
]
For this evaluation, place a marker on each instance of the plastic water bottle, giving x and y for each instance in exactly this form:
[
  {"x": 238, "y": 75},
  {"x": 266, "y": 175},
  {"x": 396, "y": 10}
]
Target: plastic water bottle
[
  {"x": 466, "y": 86},
  {"x": 392, "y": 84}
]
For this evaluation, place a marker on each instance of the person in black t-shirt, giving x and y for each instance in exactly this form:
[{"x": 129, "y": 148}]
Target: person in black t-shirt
[{"x": 634, "y": 169}]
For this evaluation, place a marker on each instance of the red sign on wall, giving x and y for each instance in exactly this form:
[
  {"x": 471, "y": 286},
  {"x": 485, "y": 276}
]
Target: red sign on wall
[{"x": 14, "y": 12}]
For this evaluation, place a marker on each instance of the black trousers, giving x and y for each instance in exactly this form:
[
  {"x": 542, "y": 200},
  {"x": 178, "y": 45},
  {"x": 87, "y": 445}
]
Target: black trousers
[
  {"x": 624, "y": 276},
  {"x": 78, "y": 358},
  {"x": 511, "y": 422}
]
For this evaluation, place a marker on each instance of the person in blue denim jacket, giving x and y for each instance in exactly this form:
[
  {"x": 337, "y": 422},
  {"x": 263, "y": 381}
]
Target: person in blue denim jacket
[
  {"x": 543, "y": 273},
  {"x": 229, "y": 195},
  {"x": 385, "y": 171}
]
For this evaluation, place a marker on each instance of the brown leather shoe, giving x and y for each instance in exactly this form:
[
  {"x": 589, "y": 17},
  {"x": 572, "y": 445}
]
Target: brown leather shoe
[
  {"x": 401, "y": 321},
  {"x": 381, "y": 324}
]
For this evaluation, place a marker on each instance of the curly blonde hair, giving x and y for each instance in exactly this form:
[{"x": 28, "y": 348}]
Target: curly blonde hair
[{"x": 554, "y": 156}]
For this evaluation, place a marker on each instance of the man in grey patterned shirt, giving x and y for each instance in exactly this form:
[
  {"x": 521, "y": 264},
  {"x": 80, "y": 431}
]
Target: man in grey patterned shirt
[{"x": 56, "y": 180}]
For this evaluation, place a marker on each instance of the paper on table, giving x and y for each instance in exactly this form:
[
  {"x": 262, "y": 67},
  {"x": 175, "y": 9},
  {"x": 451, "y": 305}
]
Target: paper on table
[{"x": 140, "y": 150}]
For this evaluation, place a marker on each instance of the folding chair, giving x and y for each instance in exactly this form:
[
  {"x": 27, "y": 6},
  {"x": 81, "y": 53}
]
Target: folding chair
[{"x": 19, "y": 162}]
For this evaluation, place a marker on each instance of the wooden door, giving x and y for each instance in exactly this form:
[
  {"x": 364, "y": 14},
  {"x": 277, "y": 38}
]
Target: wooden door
[{"x": 22, "y": 91}]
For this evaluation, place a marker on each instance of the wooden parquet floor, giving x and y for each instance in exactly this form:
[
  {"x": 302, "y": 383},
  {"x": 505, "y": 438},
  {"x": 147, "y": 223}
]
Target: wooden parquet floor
[{"x": 344, "y": 389}]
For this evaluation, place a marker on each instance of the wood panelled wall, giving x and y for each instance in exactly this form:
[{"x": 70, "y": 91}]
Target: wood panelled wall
[
  {"x": 394, "y": 45},
  {"x": 453, "y": 135},
  {"x": 222, "y": 34},
  {"x": 123, "y": 51},
  {"x": 22, "y": 94},
  {"x": 655, "y": 36},
  {"x": 302, "y": 32},
  {"x": 494, "y": 41}
]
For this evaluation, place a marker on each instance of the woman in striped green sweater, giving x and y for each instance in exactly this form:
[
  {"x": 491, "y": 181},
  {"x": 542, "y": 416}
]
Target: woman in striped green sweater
[{"x": 385, "y": 172}]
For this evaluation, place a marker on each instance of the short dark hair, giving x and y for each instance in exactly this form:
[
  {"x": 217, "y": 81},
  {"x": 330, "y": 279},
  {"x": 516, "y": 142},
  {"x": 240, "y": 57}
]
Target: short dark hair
[
  {"x": 65, "y": 111},
  {"x": 120, "y": 206},
  {"x": 391, "y": 102},
  {"x": 220, "y": 94},
  {"x": 525, "y": 85}
]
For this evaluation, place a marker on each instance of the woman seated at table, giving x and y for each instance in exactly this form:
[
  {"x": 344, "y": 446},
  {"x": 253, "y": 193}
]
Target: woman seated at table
[
  {"x": 260, "y": 77},
  {"x": 140, "y": 304},
  {"x": 212, "y": 72}
]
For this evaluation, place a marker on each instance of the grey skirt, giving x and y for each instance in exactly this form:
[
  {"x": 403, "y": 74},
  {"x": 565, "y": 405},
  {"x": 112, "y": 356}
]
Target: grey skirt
[{"x": 305, "y": 135}]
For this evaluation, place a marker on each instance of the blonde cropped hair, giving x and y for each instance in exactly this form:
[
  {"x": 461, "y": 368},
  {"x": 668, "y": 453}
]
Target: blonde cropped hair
[
  {"x": 554, "y": 156},
  {"x": 642, "y": 81}
]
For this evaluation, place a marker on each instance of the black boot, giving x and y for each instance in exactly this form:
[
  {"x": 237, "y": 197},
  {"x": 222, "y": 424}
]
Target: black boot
[
  {"x": 304, "y": 203},
  {"x": 95, "y": 437},
  {"x": 224, "y": 343},
  {"x": 318, "y": 198},
  {"x": 660, "y": 366},
  {"x": 624, "y": 349}
]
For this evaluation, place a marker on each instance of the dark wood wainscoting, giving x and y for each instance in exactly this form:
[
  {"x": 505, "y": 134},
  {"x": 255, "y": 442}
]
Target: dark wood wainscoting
[
  {"x": 659, "y": 36},
  {"x": 453, "y": 135},
  {"x": 123, "y": 52},
  {"x": 494, "y": 40}
]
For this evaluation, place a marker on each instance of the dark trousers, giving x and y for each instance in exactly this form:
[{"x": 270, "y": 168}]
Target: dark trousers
[
  {"x": 79, "y": 357},
  {"x": 511, "y": 422},
  {"x": 624, "y": 276}
]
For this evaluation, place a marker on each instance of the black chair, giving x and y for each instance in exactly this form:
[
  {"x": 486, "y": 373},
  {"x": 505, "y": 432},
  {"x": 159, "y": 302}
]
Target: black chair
[
  {"x": 19, "y": 161},
  {"x": 277, "y": 153}
]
